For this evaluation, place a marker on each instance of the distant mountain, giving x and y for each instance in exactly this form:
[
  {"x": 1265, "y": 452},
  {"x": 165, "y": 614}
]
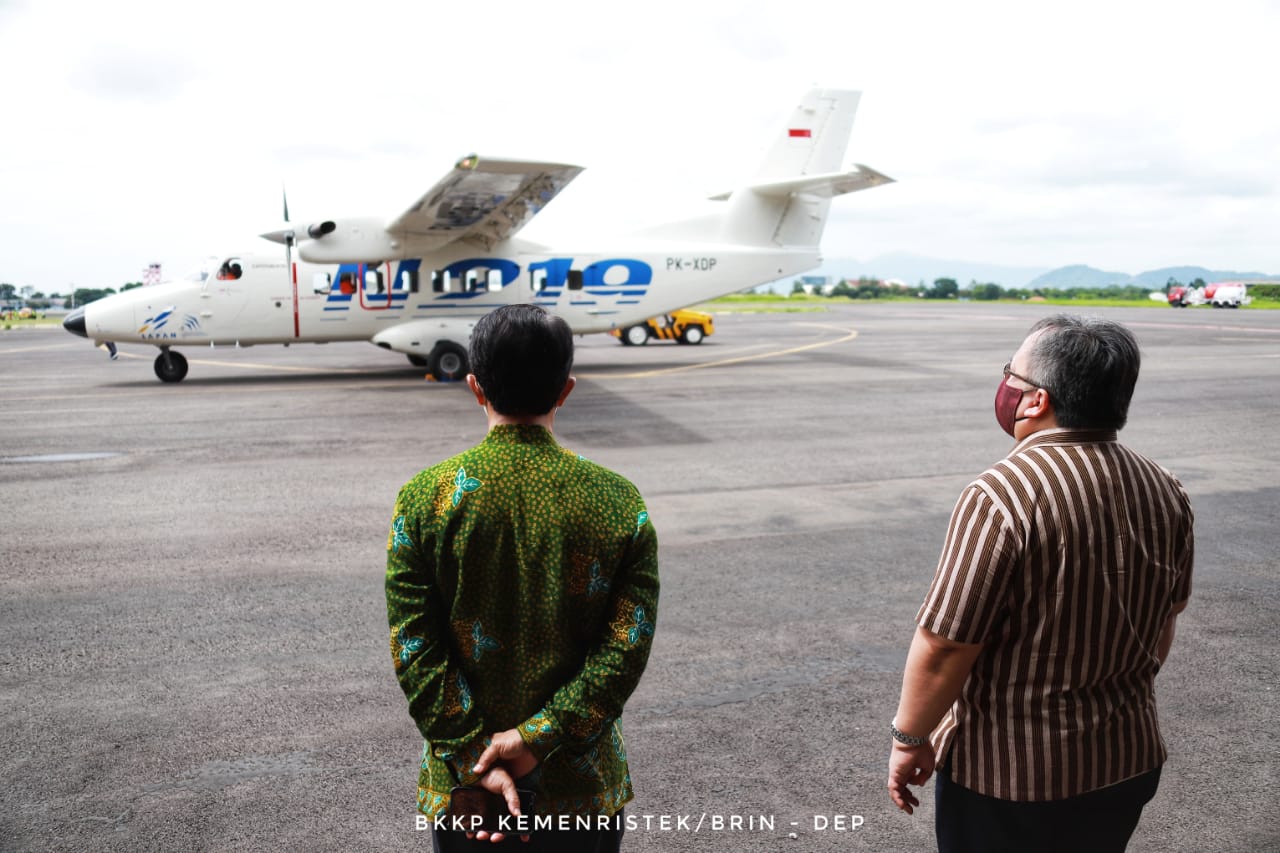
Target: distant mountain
[
  {"x": 1157, "y": 279},
  {"x": 1084, "y": 276},
  {"x": 1079, "y": 275},
  {"x": 913, "y": 269}
]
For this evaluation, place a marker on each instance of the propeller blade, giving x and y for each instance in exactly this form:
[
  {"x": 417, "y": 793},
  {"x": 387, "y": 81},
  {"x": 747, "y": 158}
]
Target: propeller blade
[{"x": 288, "y": 236}]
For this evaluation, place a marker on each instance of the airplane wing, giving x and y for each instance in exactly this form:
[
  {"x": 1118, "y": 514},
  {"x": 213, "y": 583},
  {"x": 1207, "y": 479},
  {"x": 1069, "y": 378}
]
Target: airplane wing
[{"x": 482, "y": 199}]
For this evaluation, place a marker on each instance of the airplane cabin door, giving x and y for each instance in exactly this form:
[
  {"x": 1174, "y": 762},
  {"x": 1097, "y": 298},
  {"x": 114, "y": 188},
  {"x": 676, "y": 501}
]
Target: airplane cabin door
[
  {"x": 374, "y": 284},
  {"x": 244, "y": 303},
  {"x": 383, "y": 286}
]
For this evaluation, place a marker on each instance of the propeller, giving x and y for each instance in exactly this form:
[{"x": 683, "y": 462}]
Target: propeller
[{"x": 288, "y": 236}]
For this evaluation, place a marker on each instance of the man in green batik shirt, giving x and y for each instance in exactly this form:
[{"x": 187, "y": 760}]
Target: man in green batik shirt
[{"x": 522, "y": 591}]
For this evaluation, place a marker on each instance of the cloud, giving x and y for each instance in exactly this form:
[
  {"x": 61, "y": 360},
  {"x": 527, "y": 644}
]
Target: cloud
[
  {"x": 119, "y": 73},
  {"x": 1120, "y": 135}
]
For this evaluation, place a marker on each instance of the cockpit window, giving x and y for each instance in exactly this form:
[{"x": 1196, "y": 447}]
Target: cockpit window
[{"x": 230, "y": 270}]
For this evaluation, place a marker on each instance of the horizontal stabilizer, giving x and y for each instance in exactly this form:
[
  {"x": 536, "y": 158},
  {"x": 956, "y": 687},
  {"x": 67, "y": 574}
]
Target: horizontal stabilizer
[{"x": 823, "y": 186}]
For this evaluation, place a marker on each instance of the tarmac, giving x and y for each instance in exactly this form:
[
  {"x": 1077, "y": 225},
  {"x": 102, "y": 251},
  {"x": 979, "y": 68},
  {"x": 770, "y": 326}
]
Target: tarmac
[{"x": 193, "y": 645}]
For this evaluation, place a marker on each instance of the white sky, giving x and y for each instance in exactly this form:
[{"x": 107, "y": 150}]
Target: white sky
[{"x": 1123, "y": 135}]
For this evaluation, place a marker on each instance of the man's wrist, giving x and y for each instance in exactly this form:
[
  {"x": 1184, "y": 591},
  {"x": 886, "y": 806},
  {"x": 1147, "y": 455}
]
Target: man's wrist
[
  {"x": 905, "y": 739},
  {"x": 540, "y": 734}
]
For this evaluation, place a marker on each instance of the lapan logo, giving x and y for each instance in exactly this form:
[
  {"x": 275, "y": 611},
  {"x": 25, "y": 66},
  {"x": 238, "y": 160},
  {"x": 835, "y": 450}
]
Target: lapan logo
[{"x": 155, "y": 327}]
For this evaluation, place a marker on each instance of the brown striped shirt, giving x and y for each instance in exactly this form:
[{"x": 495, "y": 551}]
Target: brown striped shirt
[{"x": 1064, "y": 559}]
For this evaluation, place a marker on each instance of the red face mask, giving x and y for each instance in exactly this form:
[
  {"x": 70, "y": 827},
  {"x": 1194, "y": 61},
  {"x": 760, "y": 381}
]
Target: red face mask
[{"x": 1007, "y": 400}]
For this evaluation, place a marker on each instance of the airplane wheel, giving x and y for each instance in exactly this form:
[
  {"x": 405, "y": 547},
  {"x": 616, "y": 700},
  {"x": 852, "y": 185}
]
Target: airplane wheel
[
  {"x": 447, "y": 362},
  {"x": 171, "y": 366},
  {"x": 692, "y": 335},
  {"x": 636, "y": 336},
  {"x": 417, "y": 361}
]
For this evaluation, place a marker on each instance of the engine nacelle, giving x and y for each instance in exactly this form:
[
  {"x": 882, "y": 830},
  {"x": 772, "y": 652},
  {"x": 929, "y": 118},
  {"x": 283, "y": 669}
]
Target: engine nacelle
[{"x": 349, "y": 241}]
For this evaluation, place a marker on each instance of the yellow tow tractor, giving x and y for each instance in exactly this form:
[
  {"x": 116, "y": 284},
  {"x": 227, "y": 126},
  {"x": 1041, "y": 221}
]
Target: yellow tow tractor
[{"x": 683, "y": 326}]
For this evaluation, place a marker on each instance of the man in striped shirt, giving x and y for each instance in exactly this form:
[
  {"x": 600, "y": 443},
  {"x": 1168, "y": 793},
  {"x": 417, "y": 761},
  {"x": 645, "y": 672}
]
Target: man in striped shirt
[{"x": 1030, "y": 679}]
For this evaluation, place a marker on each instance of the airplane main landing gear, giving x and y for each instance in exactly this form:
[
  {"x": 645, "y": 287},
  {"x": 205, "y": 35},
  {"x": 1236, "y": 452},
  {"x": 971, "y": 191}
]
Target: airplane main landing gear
[
  {"x": 170, "y": 366},
  {"x": 447, "y": 362}
]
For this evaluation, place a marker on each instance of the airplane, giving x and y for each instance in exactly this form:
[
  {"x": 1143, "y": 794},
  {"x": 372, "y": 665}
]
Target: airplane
[{"x": 417, "y": 284}]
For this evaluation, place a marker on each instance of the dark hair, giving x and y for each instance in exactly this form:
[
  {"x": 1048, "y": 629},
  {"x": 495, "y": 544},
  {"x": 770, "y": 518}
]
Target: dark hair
[
  {"x": 1089, "y": 366},
  {"x": 521, "y": 357}
]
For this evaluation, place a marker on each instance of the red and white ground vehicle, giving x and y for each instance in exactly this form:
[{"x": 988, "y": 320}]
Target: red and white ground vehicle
[
  {"x": 1184, "y": 295},
  {"x": 1221, "y": 294},
  {"x": 1227, "y": 294}
]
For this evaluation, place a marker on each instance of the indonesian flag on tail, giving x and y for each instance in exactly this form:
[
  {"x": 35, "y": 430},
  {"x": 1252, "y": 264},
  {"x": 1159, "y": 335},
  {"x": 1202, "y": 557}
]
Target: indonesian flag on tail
[{"x": 800, "y": 133}]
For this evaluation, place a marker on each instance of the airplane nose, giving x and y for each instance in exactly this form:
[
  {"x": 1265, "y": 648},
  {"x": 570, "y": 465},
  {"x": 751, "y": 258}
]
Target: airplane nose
[{"x": 74, "y": 323}]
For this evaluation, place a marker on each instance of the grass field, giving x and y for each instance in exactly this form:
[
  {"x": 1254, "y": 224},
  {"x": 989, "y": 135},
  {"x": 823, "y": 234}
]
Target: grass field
[
  {"x": 15, "y": 323},
  {"x": 772, "y": 303}
]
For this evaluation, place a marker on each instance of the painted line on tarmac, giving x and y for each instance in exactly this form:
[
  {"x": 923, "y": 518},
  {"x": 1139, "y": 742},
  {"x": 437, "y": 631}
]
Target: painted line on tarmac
[
  {"x": 1261, "y": 330},
  {"x": 850, "y": 334},
  {"x": 249, "y": 365},
  {"x": 35, "y": 349},
  {"x": 196, "y": 388}
]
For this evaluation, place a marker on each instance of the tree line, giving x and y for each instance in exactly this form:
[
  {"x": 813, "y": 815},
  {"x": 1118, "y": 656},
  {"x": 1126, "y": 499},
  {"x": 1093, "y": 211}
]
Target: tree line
[
  {"x": 948, "y": 288},
  {"x": 29, "y": 297}
]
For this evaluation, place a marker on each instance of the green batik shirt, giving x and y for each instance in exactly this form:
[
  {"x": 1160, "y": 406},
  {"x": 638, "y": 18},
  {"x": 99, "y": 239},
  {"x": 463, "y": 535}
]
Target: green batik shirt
[{"x": 522, "y": 592}]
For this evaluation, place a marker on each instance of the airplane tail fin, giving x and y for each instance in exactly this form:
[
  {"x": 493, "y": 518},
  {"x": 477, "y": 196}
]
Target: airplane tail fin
[
  {"x": 814, "y": 138},
  {"x": 786, "y": 204}
]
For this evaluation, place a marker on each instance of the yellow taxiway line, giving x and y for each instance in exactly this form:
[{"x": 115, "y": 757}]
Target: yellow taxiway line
[
  {"x": 849, "y": 335},
  {"x": 35, "y": 349}
]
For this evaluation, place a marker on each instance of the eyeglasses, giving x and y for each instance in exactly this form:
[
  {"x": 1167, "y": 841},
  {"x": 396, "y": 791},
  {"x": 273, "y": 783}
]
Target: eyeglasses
[{"x": 1008, "y": 373}]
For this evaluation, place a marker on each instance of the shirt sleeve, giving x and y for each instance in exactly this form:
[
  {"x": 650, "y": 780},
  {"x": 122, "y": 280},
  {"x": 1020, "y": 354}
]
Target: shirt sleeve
[
  {"x": 439, "y": 697},
  {"x": 586, "y": 706},
  {"x": 1187, "y": 549},
  {"x": 966, "y": 599}
]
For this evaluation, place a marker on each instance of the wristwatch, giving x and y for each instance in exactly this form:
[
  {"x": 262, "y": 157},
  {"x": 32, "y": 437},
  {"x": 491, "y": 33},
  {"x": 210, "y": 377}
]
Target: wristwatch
[{"x": 903, "y": 738}]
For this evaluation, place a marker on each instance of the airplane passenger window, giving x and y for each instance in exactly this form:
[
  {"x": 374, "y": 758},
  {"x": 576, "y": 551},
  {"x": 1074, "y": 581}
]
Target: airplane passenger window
[
  {"x": 538, "y": 280},
  {"x": 575, "y": 279},
  {"x": 407, "y": 281},
  {"x": 372, "y": 280},
  {"x": 347, "y": 283},
  {"x": 320, "y": 282},
  {"x": 438, "y": 281},
  {"x": 495, "y": 280}
]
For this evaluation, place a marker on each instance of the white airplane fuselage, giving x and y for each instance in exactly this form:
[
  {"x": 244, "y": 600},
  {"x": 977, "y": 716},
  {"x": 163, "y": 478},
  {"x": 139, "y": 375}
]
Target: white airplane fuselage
[{"x": 593, "y": 291}]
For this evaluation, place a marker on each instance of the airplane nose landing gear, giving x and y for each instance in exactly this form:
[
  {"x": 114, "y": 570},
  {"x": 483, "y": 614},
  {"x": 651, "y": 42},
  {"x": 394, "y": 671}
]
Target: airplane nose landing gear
[{"x": 170, "y": 366}]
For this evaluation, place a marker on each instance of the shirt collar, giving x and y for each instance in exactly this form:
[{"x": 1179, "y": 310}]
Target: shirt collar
[
  {"x": 1064, "y": 435},
  {"x": 510, "y": 434}
]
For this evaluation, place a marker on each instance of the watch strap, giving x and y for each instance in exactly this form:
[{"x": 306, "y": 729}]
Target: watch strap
[{"x": 904, "y": 738}]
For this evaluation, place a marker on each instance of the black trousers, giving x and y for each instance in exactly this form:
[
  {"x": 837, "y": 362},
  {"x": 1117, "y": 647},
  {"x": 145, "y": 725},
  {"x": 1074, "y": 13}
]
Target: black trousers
[
  {"x": 1100, "y": 821},
  {"x": 543, "y": 841}
]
